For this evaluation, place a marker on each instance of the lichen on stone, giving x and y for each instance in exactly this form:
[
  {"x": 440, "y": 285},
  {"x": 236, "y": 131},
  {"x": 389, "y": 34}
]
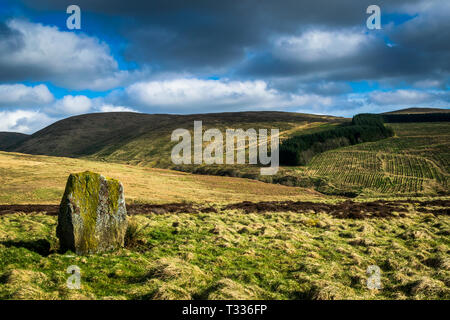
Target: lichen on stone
[{"x": 92, "y": 214}]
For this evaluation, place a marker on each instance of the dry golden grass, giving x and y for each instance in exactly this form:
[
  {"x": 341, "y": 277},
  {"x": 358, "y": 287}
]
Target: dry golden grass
[{"x": 29, "y": 179}]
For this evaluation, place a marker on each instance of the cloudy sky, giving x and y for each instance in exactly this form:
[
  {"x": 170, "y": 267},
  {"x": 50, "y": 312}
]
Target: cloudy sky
[{"x": 175, "y": 56}]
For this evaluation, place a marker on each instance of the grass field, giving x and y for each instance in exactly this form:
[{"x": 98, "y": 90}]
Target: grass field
[
  {"x": 27, "y": 179},
  {"x": 236, "y": 255}
]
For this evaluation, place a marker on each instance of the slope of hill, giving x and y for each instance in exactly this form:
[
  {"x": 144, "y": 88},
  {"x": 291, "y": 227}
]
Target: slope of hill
[
  {"x": 9, "y": 139},
  {"x": 418, "y": 111},
  {"x": 36, "y": 179},
  {"x": 83, "y": 135},
  {"x": 145, "y": 138},
  {"x": 415, "y": 161}
]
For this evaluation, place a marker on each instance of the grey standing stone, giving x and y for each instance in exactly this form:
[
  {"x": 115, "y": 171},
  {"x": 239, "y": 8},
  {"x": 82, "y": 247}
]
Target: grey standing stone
[{"x": 92, "y": 215}]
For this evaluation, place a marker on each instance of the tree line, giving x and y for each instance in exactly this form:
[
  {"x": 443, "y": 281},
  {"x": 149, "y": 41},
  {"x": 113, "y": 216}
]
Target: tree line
[
  {"x": 416, "y": 117},
  {"x": 298, "y": 150}
]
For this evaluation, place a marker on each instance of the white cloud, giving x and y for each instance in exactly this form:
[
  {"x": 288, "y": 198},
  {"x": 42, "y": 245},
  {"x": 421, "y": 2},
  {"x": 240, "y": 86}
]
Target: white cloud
[
  {"x": 183, "y": 94},
  {"x": 24, "y": 121},
  {"x": 69, "y": 59},
  {"x": 19, "y": 95},
  {"x": 402, "y": 97},
  {"x": 347, "y": 105},
  {"x": 197, "y": 95},
  {"x": 318, "y": 45},
  {"x": 29, "y": 121},
  {"x": 71, "y": 105},
  {"x": 112, "y": 108},
  {"x": 382, "y": 101},
  {"x": 428, "y": 83}
]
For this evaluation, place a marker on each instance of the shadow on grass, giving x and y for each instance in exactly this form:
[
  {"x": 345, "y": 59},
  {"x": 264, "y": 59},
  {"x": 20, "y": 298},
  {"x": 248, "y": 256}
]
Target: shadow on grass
[{"x": 40, "y": 246}]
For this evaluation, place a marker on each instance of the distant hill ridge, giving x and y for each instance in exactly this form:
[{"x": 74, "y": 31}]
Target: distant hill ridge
[
  {"x": 418, "y": 110},
  {"x": 8, "y": 139},
  {"x": 416, "y": 158},
  {"x": 139, "y": 137},
  {"x": 145, "y": 138}
]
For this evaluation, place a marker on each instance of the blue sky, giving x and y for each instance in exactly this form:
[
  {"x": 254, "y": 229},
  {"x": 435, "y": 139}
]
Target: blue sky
[{"x": 210, "y": 56}]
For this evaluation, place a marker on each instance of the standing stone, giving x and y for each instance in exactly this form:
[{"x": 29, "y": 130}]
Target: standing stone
[{"x": 92, "y": 215}]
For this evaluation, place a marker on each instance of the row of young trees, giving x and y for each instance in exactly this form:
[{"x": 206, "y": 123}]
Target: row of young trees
[{"x": 298, "y": 150}]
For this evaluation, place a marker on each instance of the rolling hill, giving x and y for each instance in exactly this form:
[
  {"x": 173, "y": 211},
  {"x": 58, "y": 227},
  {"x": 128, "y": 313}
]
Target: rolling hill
[
  {"x": 138, "y": 138},
  {"x": 9, "y": 139},
  {"x": 413, "y": 162},
  {"x": 418, "y": 111}
]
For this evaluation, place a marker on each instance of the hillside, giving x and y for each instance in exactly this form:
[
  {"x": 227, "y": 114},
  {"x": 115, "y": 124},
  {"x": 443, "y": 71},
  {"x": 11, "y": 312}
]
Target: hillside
[
  {"x": 34, "y": 179},
  {"x": 418, "y": 111},
  {"x": 83, "y": 135},
  {"x": 413, "y": 162},
  {"x": 145, "y": 138},
  {"x": 9, "y": 139}
]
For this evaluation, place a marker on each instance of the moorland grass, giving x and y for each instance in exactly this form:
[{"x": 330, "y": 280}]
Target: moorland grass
[{"x": 232, "y": 255}]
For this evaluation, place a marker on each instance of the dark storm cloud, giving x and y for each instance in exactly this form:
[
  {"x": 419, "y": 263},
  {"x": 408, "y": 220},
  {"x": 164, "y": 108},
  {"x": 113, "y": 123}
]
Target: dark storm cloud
[
  {"x": 208, "y": 34},
  {"x": 413, "y": 51},
  {"x": 210, "y": 55},
  {"x": 241, "y": 40},
  {"x": 36, "y": 52},
  {"x": 372, "y": 61},
  {"x": 427, "y": 39},
  {"x": 10, "y": 40}
]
